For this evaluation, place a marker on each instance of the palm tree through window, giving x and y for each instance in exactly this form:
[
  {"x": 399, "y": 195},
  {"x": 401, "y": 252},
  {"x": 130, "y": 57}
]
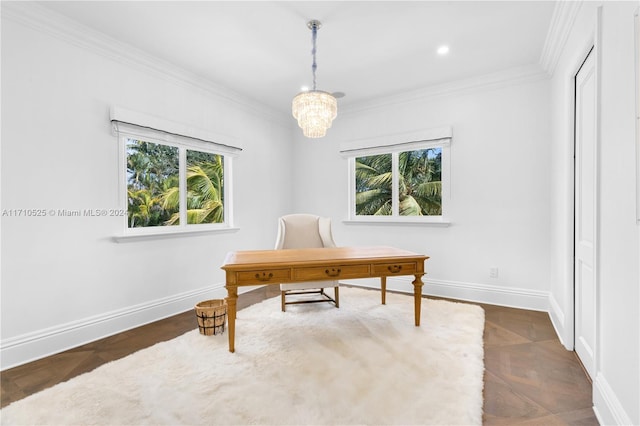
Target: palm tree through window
[{"x": 416, "y": 174}]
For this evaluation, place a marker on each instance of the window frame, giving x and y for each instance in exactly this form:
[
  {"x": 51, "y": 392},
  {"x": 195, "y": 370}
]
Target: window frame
[
  {"x": 441, "y": 138},
  {"x": 127, "y": 131}
]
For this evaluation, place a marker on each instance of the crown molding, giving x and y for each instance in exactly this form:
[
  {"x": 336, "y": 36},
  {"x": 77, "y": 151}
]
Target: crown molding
[
  {"x": 562, "y": 20},
  {"x": 497, "y": 80},
  {"x": 48, "y": 22}
]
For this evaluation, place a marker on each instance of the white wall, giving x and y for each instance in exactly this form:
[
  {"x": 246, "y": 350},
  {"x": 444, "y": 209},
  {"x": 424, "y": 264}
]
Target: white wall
[
  {"x": 499, "y": 188},
  {"x": 617, "y": 380},
  {"x": 64, "y": 280},
  {"x": 619, "y": 280}
]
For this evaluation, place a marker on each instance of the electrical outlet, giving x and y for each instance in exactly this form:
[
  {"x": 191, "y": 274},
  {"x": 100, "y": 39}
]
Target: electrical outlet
[{"x": 493, "y": 272}]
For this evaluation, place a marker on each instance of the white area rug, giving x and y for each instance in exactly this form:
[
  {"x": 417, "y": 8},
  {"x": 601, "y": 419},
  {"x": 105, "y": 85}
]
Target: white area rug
[{"x": 364, "y": 363}]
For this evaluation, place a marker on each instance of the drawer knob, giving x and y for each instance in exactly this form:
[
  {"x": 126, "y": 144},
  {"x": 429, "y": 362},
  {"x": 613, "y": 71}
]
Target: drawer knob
[
  {"x": 394, "y": 269},
  {"x": 332, "y": 272},
  {"x": 264, "y": 276}
]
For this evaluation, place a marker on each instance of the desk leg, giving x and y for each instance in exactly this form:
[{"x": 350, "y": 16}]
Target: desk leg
[
  {"x": 383, "y": 289},
  {"x": 417, "y": 297},
  {"x": 232, "y": 300}
]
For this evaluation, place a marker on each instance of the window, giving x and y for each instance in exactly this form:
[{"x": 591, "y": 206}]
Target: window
[
  {"x": 399, "y": 182},
  {"x": 153, "y": 185},
  {"x": 173, "y": 183}
]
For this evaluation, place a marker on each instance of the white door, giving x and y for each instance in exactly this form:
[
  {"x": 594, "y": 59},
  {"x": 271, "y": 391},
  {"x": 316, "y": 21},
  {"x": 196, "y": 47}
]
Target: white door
[{"x": 585, "y": 214}]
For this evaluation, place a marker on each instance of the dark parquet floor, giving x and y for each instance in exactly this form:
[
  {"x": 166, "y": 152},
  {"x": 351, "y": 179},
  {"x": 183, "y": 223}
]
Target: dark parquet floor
[{"x": 530, "y": 378}]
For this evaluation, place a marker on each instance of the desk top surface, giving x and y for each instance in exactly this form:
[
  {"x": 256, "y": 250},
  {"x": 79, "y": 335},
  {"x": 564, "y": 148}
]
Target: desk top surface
[{"x": 315, "y": 256}]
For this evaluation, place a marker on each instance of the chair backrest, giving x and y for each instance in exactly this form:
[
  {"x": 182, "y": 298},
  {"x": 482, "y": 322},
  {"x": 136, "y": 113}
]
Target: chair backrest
[{"x": 304, "y": 231}]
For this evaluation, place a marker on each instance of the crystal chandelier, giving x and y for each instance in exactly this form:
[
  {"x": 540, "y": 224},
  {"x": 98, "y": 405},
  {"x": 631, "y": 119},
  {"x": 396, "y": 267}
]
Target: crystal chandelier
[{"x": 314, "y": 109}]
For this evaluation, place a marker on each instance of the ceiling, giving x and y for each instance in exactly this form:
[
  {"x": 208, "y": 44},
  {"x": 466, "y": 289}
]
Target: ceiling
[{"x": 368, "y": 50}]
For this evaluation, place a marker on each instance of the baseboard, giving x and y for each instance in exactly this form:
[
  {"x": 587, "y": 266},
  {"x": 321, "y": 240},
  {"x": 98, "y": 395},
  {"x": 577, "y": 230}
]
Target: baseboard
[
  {"x": 606, "y": 404},
  {"x": 558, "y": 321},
  {"x": 472, "y": 292},
  {"x": 29, "y": 347}
]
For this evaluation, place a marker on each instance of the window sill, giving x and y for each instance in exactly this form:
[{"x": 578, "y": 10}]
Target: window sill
[
  {"x": 173, "y": 234},
  {"x": 395, "y": 221}
]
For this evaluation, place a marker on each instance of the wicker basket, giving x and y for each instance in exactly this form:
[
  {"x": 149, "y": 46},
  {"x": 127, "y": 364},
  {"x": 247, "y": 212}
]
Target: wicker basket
[{"x": 212, "y": 316}]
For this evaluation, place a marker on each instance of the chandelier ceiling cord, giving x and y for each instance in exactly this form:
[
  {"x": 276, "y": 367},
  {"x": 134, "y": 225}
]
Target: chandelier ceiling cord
[
  {"x": 314, "y": 109},
  {"x": 314, "y": 25}
]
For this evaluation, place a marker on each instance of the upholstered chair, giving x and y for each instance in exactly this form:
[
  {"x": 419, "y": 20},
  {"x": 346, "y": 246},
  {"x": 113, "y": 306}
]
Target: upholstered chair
[{"x": 297, "y": 231}]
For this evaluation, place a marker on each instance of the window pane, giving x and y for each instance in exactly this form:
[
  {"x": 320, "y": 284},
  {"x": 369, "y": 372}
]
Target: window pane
[
  {"x": 205, "y": 187},
  {"x": 419, "y": 184},
  {"x": 373, "y": 185},
  {"x": 152, "y": 184}
]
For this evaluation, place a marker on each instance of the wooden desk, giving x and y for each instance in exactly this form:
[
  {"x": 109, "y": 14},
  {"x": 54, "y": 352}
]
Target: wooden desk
[{"x": 272, "y": 267}]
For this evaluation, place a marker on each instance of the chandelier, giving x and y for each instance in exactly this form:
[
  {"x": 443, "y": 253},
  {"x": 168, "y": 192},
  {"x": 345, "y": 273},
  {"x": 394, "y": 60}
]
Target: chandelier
[{"x": 314, "y": 109}]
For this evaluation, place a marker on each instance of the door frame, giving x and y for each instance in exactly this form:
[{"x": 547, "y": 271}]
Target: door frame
[
  {"x": 592, "y": 46},
  {"x": 591, "y": 55}
]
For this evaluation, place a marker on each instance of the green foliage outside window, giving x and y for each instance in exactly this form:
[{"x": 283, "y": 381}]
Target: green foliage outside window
[
  {"x": 153, "y": 188},
  {"x": 419, "y": 183},
  {"x": 373, "y": 185},
  {"x": 152, "y": 172}
]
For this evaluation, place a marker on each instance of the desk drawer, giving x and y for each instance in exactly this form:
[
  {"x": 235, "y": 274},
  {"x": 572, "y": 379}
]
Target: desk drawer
[
  {"x": 394, "y": 269},
  {"x": 267, "y": 276},
  {"x": 331, "y": 272}
]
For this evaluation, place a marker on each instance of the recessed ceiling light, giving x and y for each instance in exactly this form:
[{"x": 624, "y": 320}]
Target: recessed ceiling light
[
  {"x": 443, "y": 50},
  {"x": 304, "y": 88}
]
